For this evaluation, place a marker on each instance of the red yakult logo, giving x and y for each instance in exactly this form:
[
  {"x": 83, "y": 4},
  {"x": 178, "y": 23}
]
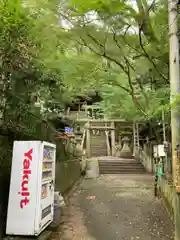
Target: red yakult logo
[{"x": 25, "y": 194}]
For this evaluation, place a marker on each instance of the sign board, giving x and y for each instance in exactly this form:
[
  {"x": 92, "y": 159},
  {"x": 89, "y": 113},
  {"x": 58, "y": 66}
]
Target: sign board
[
  {"x": 159, "y": 151},
  {"x": 155, "y": 151},
  {"x": 68, "y": 130}
]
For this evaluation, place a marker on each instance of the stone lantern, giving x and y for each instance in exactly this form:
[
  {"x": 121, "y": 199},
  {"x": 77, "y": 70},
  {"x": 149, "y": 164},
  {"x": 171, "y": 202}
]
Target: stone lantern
[{"x": 126, "y": 150}]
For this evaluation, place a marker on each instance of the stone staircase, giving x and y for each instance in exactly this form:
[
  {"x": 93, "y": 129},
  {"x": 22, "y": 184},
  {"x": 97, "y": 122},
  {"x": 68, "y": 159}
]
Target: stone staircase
[
  {"x": 98, "y": 145},
  {"x": 112, "y": 165},
  {"x": 126, "y": 164}
]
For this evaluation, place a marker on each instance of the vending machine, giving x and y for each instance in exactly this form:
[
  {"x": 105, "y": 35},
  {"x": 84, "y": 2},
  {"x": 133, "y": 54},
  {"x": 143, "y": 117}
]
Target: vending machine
[{"x": 31, "y": 195}]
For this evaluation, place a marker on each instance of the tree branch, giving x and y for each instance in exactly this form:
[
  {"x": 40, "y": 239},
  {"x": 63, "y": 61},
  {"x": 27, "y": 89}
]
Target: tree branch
[
  {"x": 102, "y": 55},
  {"x": 134, "y": 98},
  {"x": 117, "y": 44},
  {"x": 149, "y": 58},
  {"x": 132, "y": 67},
  {"x": 105, "y": 54},
  {"x": 127, "y": 71}
]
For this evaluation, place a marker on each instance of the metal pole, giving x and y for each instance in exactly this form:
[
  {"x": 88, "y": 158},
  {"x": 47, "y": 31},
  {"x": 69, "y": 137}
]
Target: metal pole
[{"x": 175, "y": 89}]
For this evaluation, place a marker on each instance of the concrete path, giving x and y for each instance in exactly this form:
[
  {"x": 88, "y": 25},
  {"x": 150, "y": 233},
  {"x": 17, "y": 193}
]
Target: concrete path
[{"x": 123, "y": 208}]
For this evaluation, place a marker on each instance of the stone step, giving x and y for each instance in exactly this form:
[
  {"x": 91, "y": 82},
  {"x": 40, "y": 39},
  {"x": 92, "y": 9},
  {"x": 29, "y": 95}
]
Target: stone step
[
  {"x": 98, "y": 148},
  {"x": 120, "y": 163},
  {"x": 98, "y": 144},
  {"x": 120, "y": 169},
  {"x": 126, "y": 161},
  {"x": 97, "y": 154},
  {"x": 122, "y": 172},
  {"x": 120, "y": 166},
  {"x": 98, "y": 138},
  {"x": 128, "y": 157},
  {"x": 130, "y": 166},
  {"x": 116, "y": 170}
]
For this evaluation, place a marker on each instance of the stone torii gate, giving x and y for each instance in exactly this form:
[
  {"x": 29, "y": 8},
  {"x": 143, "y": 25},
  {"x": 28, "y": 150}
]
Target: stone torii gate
[
  {"x": 97, "y": 134},
  {"x": 101, "y": 138}
]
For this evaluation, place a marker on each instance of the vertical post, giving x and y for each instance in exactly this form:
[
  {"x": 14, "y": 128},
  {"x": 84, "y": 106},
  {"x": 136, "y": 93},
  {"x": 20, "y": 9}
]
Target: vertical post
[
  {"x": 175, "y": 90},
  {"x": 79, "y": 110},
  {"x": 107, "y": 141},
  {"x": 137, "y": 129},
  {"x": 174, "y": 80},
  {"x": 120, "y": 141},
  {"x": 113, "y": 143},
  {"x": 164, "y": 127},
  {"x": 85, "y": 109},
  {"x": 134, "y": 139},
  {"x": 88, "y": 139},
  {"x": 165, "y": 142}
]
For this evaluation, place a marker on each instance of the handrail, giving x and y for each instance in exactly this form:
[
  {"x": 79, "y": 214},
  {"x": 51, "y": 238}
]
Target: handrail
[{"x": 83, "y": 139}]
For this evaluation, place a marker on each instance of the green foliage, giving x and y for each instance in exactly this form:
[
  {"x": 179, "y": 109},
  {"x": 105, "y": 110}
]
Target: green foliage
[
  {"x": 46, "y": 64},
  {"x": 31, "y": 77},
  {"x": 134, "y": 65},
  {"x": 103, "y": 6}
]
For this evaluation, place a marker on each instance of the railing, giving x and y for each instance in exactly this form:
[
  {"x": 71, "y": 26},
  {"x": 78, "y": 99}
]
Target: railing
[
  {"x": 82, "y": 115},
  {"x": 83, "y": 151},
  {"x": 83, "y": 139}
]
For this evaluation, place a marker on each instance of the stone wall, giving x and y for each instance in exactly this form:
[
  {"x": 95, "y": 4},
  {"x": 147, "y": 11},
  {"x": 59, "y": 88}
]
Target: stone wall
[
  {"x": 146, "y": 157},
  {"x": 168, "y": 194},
  {"x": 171, "y": 201},
  {"x": 67, "y": 173}
]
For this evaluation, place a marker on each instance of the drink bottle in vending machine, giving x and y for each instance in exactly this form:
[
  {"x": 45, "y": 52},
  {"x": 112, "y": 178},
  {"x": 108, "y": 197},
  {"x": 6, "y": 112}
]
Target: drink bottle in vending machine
[{"x": 31, "y": 195}]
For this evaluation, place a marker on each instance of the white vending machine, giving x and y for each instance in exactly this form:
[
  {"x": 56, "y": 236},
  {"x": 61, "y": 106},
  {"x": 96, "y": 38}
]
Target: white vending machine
[{"x": 31, "y": 196}]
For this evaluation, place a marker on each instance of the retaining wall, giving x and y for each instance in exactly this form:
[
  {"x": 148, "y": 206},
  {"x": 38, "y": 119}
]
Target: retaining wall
[
  {"x": 67, "y": 173},
  {"x": 172, "y": 201},
  {"x": 146, "y": 158}
]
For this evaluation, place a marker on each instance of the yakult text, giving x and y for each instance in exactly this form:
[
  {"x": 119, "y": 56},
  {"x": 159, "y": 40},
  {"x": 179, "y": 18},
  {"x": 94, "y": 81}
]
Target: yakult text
[{"x": 25, "y": 194}]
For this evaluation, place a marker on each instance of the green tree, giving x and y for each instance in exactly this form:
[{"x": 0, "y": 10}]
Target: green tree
[{"x": 134, "y": 46}]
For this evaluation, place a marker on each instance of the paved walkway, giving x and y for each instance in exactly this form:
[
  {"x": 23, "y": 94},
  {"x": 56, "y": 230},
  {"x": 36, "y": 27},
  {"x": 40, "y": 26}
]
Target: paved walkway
[{"x": 124, "y": 208}]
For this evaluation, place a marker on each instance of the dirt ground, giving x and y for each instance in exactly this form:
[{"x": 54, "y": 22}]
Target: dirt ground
[
  {"x": 115, "y": 207},
  {"x": 72, "y": 225}
]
